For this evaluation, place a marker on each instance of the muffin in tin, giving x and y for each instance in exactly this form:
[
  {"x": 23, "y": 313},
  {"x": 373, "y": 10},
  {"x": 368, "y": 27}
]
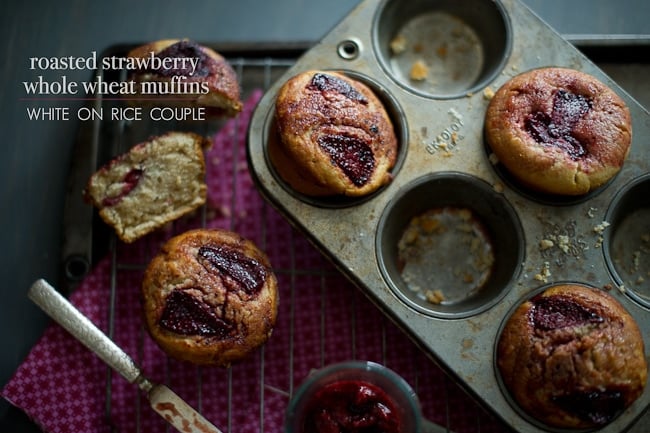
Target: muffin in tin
[
  {"x": 559, "y": 131},
  {"x": 572, "y": 357},
  {"x": 335, "y": 136}
]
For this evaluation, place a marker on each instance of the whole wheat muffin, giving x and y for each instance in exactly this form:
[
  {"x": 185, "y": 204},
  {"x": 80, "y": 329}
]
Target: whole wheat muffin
[
  {"x": 572, "y": 357},
  {"x": 212, "y": 84},
  {"x": 336, "y": 137},
  {"x": 155, "y": 182},
  {"x": 558, "y": 130},
  {"x": 210, "y": 297}
]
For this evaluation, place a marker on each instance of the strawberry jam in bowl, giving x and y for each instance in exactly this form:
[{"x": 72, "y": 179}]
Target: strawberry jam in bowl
[{"x": 354, "y": 397}]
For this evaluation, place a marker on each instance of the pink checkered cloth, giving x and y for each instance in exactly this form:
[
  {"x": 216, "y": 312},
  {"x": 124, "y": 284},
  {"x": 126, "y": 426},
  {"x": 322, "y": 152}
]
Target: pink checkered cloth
[{"x": 322, "y": 319}]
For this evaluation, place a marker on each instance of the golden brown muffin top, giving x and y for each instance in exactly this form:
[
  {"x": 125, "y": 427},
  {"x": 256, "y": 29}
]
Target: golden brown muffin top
[{"x": 572, "y": 356}]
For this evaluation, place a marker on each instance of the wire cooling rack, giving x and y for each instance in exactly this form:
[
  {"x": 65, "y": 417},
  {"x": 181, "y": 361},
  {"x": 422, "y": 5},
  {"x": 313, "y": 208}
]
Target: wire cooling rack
[{"x": 322, "y": 319}]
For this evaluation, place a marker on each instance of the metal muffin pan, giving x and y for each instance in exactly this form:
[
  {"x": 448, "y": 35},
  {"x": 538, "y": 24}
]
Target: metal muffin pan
[{"x": 444, "y": 162}]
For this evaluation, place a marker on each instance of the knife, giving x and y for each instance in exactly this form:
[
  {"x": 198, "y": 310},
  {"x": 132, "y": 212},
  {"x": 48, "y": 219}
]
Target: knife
[{"x": 161, "y": 398}]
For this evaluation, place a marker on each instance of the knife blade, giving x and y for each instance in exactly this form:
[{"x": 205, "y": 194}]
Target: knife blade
[{"x": 162, "y": 399}]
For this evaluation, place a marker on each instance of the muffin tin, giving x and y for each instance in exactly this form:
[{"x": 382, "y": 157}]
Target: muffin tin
[{"x": 599, "y": 239}]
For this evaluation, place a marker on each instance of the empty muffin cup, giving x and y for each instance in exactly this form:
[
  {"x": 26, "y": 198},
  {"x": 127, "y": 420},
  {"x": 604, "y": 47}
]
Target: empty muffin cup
[
  {"x": 442, "y": 48},
  {"x": 289, "y": 176},
  {"x": 626, "y": 239},
  {"x": 449, "y": 245}
]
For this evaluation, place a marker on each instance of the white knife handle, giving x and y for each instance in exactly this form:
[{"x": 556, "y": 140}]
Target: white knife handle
[
  {"x": 163, "y": 400},
  {"x": 71, "y": 319},
  {"x": 177, "y": 412}
]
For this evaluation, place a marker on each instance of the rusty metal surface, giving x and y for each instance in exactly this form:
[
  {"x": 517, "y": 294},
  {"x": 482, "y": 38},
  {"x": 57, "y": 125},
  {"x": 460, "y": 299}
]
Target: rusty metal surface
[{"x": 442, "y": 136}]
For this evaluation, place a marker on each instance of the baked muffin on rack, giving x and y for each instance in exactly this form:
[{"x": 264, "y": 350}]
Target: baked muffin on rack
[
  {"x": 154, "y": 183},
  {"x": 558, "y": 130},
  {"x": 211, "y": 84},
  {"x": 210, "y": 297},
  {"x": 572, "y": 357},
  {"x": 335, "y": 136}
]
